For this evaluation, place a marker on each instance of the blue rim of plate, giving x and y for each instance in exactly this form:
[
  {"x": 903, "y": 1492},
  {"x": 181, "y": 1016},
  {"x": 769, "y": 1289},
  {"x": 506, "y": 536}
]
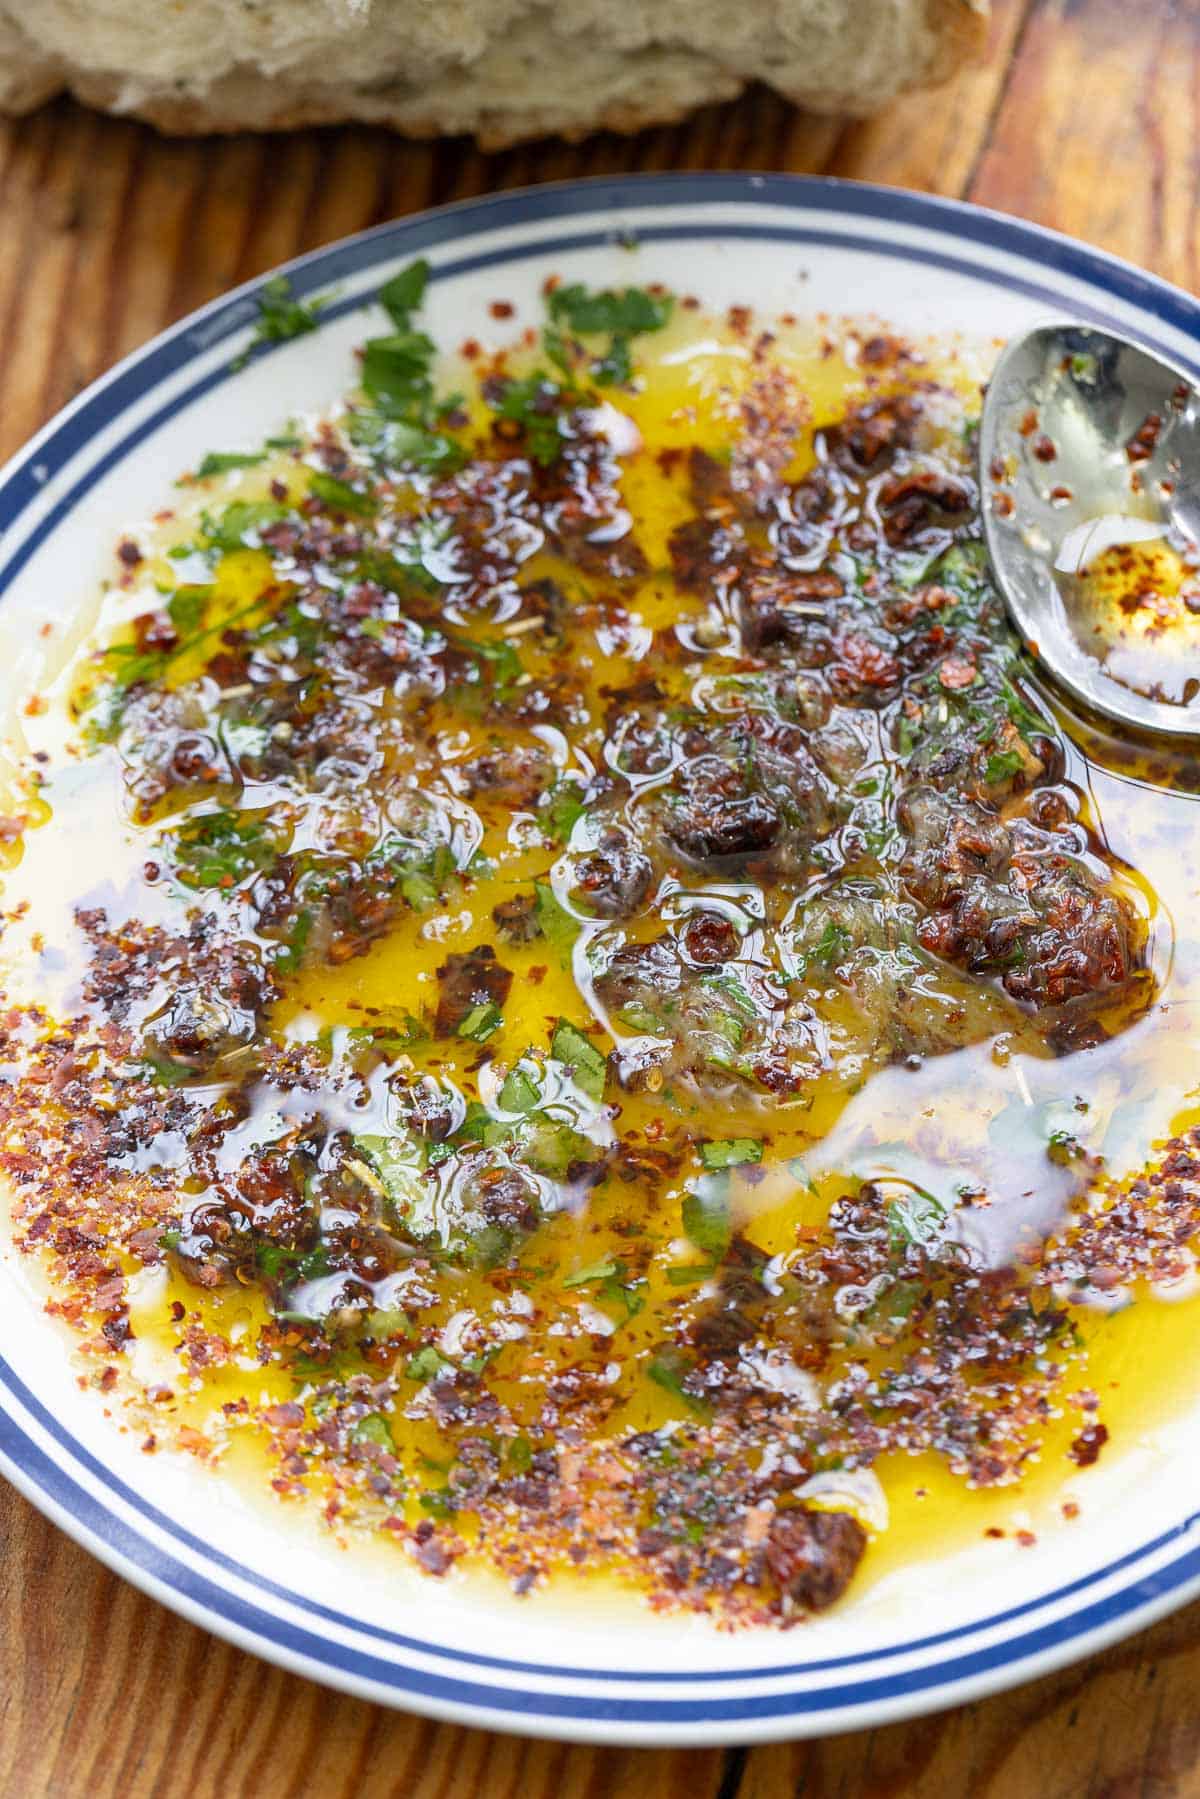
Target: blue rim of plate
[{"x": 110, "y": 1518}]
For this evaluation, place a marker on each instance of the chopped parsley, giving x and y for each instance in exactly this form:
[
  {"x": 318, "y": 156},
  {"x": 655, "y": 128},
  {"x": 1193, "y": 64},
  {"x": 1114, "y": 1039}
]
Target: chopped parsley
[
  {"x": 281, "y": 316},
  {"x": 588, "y": 1066},
  {"x": 622, "y": 316},
  {"x": 220, "y": 462},
  {"x": 731, "y": 1152}
]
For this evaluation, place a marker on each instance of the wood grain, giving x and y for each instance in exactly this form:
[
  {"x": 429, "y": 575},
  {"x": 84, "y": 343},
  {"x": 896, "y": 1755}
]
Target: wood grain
[{"x": 1085, "y": 116}]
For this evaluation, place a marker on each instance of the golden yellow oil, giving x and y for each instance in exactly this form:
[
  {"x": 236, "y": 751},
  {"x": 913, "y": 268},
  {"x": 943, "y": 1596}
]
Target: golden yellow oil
[{"x": 1136, "y": 1359}]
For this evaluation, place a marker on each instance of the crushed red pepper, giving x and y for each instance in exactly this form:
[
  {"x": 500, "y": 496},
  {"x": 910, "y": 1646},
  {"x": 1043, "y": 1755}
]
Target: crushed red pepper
[{"x": 865, "y": 759}]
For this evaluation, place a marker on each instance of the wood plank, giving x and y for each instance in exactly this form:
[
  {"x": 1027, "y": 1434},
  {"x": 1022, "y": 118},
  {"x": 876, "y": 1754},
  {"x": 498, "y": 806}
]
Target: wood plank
[
  {"x": 1125, "y": 1723},
  {"x": 1099, "y": 131},
  {"x": 105, "y": 1693},
  {"x": 933, "y": 141}
]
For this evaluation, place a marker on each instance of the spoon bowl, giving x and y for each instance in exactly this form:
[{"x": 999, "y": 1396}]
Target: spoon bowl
[{"x": 1090, "y": 469}]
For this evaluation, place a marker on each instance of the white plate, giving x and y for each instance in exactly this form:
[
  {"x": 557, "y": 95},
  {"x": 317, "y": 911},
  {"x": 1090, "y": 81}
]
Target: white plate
[{"x": 991, "y": 1615}]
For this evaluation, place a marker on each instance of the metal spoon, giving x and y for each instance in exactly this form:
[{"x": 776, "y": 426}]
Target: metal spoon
[{"x": 1089, "y": 442}]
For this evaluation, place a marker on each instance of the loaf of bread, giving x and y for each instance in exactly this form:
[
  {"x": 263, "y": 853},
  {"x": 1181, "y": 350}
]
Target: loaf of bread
[{"x": 503, "y": 69}]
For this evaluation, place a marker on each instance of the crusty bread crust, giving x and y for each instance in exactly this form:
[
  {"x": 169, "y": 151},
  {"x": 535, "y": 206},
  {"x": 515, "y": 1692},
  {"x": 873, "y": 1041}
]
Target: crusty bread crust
[{"x": 619, "y": 65}]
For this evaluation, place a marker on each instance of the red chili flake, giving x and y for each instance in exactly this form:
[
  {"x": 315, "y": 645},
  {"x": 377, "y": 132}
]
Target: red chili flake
[
  {"x": 116, "y": 1331},
  {"x": 471, "y": 349},
  {"x": 1029, "y": 424},
  {"x": 1145, "y": 439},
  {"x": 150, "y": 871},
  {"x": 154, "y": 631},
  {"x": 1060, "y": 495},
  {"x": 878, "y": 350},
  {"x": 1070, "y": 1509},
  {"x": 431, "y": 1555},
  {"x": 1087, "y": 1446},
  {"x": 501, "y": 309},
  {"x": 993, "y": 1530},
  {"x": 129, "y": 553},
  {"x": 286, "y": 1413},
  {"x": 551, "y": 283},
  {"x": 11, "y": 826},
  {"x": 956, "y": 673},
  {"x": 537, "y": 974},
  {"x": 1026, "y": 1539},
  {"x": 1002, "y": 505},
  {"x": 867, "y": 663},
  {"x": 278, "y": 489},
  {"x": 690, "y": 303},
  {"x": 1044, "y": 448},
  {"x": 739, "y": 320}
]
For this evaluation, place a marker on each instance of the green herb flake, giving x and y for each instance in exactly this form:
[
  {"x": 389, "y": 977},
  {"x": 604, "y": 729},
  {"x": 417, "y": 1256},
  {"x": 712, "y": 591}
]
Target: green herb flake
[
  {"x": 374, "y": 1428},
  {"x": 628, "y": 313},
  {"x": 731, "y": 1152},
  {"x": 396, "y": 1164},
  {"x": 481, "y": 1022},
  {"x": 1002, "y": 766},
  {"x": 559, "y": 927},
  {"x": 281, "y": 316},
  {"x": 575, "y": 1051},
  {"x": 624, "y": 316},
  {"x": 562, "y": 807},
  {"x": 220, "y": 462},
  {"x": 690, "y": 1274},
  {"x": 166, "y": 1071},
  {"x": 220, "y": 849},
  {"x": 438, "y": 1502},
  {"x": 186, "y": 608},
  {"x": 240, "y": 521},
  {"x": 520, "y": 1093},
  {"x": 341, "y": 496},
  {"x": 534, "y": 404},
  {"x": 915, "y": 1221},
  {"x": 668, "y": 1369},
  {"x": 426, "y": 1364},
  {"x": 707, "y": 1219},
  {"x": 592, "y": 1274},
  {"x": 405, "y": 292},
  {"x": 396, "y": 374}
]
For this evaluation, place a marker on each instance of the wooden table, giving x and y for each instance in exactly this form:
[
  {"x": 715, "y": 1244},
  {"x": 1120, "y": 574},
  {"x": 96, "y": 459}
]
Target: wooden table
[{"x": 1086, "y": 116}]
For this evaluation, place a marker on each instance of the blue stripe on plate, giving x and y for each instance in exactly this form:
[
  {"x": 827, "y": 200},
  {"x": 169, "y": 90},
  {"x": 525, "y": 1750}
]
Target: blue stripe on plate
[
  {"x": 530, "y": 1704},
  {"x": 1150, "y": 1587}
]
